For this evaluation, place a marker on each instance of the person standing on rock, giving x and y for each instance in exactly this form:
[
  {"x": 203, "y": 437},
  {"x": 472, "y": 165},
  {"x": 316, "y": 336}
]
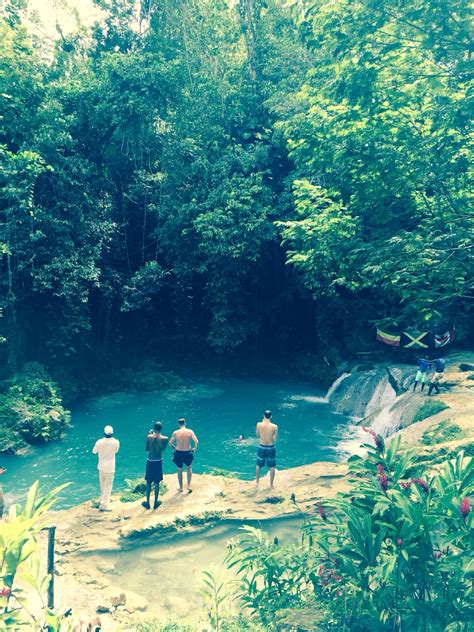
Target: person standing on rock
[
  {"x": 267, "y": 432},
  {"x": 155, "y": 445},
  {"x": 422, "y": 373},
  {"x": 440, "y": 365},
  {"x": 106, "y": 449},
  {"x": 184, "y": 443}
]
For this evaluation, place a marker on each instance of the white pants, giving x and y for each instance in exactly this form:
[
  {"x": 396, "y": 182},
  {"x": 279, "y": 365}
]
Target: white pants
[{"x": 106, "y": 480}]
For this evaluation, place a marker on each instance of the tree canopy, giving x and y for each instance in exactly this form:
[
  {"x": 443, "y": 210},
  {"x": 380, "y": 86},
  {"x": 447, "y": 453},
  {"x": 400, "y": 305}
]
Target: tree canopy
[{"x": 248, "y": 178}]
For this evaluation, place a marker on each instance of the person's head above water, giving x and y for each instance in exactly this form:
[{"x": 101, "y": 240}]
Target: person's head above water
[
  {"x": 267, "y": 414},
  {"x": 108, "y": 431},
  {"x": 181, "y": 422},
  {"x": 157, "y": 426}
]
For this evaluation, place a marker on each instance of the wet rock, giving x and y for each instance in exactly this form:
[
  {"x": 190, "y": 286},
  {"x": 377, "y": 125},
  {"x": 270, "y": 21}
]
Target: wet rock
[
  {"x": 103, "y": 607},
  {"x": 273, "y": 500},
  {"x": 401, "y": 377}
]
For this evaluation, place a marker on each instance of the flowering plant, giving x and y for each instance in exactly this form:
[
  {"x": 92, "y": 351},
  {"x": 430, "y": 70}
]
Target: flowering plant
[{"x": 393, "y": 553}]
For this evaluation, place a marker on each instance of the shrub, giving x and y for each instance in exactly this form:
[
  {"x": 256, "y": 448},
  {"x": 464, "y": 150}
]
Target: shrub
[
  {"x": 429, "y": 408},
  {"x": 136, "y": 488},
  {"x": 393, "y": 553},
  {"x": 217, "y": 471},
  {"x": 31, "y": 410},
  {"x": 20, "y": 561},
  {"x": 444, "y": 431}
]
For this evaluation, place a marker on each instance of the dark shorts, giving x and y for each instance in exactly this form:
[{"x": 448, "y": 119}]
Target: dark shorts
[
  {"x": 183, "y": 457},
  {"x": 154, "y": 471},
  {"x": 266, "y": 455}
]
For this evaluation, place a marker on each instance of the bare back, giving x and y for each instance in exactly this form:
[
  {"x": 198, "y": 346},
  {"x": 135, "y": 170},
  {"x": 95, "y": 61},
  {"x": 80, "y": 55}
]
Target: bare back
[
  {"x": 268, "y": 432},
  {"x": 182, "y": 438}
]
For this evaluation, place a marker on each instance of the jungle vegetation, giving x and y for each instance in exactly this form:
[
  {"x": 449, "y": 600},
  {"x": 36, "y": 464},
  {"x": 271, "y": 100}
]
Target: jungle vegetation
[{"x": 233, "y": 180}]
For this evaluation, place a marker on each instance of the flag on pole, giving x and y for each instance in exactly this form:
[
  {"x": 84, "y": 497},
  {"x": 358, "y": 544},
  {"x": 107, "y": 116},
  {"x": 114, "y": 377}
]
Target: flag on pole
[
  {"x": 444, "y": 339},
  {"x": 388, "y": 339}
]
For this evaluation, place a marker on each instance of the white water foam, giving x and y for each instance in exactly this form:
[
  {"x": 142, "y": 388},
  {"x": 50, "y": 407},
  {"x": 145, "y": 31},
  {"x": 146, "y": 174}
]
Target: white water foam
[
  {"x": 311, "y": 399},
  {"x": 351, "y": 443},
  {"x": 384, "y": 395},
  {"x": 384, "y": 423},
  {"x": 335, "y": 384}
]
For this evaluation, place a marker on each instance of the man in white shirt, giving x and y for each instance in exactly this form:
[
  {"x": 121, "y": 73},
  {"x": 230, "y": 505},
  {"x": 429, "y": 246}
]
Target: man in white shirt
[{"x": 106, "y": 448}]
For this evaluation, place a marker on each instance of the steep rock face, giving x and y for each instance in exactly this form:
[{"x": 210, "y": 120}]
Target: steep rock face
[
  {"x": 367, "y": 393},
  {"x": 363, "y": 393}
]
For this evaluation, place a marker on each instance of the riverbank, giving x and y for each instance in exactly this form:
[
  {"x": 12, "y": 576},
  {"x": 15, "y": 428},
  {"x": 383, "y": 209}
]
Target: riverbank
[
  {"x": 82, "y": 531},
  {"x": 83, "y": 534}
]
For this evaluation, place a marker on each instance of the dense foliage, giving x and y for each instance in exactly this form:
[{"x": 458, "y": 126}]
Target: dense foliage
[
  {"x": 393, "y": 553},
  {"x": 157, "y": 172},
  {"x": 31, "y": 411}
]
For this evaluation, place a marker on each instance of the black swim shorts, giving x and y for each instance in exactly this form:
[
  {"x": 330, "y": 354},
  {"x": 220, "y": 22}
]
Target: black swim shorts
[
  {"x": 183, "y": 457},
  {"x": 266, "y": 455},
  {"x": 154, "y": 471}
]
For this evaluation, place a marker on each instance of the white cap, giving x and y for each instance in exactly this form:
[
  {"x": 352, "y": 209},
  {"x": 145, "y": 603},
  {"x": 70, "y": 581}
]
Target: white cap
[{"x": 108, "y": 430}]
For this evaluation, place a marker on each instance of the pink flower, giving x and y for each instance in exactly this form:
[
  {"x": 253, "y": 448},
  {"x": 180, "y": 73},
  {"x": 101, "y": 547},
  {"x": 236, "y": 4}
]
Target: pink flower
[
  {"x": 405, "y": 484},
  {"x": 377, "y": 438},
  {"x": 421, "y": 483},
  {"x": 322, "y": 512},
  {"x": 437, "y": 554},
  {"x": 465, "y": 508},
  {"x": 383, "y": 480},
  {"x": 399, "y": 542},
  {"x": 5, "y": 592},
  {"x": 380, "y": 469}
]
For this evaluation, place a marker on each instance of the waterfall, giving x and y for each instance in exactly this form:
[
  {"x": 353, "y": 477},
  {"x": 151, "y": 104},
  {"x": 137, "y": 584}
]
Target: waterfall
[
  {"x": 384, "y": 395},
  {"x": 385, "y": 423},
  {"x": 335, "y": 385}
]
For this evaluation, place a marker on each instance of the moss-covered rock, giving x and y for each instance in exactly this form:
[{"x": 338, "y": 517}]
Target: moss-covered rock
[
  {"x": 429, "y": 408},
  {"x": 444, "y": 431},
  {"x": 31, "y": 410}
]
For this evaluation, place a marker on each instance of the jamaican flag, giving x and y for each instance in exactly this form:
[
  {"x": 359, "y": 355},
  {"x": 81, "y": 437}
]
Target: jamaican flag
[
  {"x": 416, "y": 341},
  {"x": 388, "y": 339}
]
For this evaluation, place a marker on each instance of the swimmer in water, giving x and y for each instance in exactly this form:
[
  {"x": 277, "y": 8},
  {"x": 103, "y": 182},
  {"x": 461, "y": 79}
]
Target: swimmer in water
[{"x": 241, "y": 437}]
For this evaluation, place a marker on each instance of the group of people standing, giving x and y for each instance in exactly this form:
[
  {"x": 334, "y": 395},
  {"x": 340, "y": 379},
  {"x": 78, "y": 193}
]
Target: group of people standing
[
  {"x": 184, "y": 443},
  {"x": 431, "y": 371}
]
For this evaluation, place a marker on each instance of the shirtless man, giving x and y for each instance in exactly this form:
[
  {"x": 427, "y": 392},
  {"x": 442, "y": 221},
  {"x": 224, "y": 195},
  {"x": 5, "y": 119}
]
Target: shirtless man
[
  {"x": 266, "y": 455},
  {"x": 155, "y": 444},
  {"x": 184, "y": 452}
]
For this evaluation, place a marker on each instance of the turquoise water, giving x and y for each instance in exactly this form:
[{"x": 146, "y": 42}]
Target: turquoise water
[{"x": 218, "y": 411}]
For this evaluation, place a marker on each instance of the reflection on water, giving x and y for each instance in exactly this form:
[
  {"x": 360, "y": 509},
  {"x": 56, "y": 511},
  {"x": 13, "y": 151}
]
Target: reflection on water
[{"x": 218, "y": 411}]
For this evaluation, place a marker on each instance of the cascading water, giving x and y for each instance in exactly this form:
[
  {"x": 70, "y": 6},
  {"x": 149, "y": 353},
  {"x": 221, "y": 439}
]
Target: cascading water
[
  {"x": 384, "y": 396},
  {"x": 335, "y": 384}
]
